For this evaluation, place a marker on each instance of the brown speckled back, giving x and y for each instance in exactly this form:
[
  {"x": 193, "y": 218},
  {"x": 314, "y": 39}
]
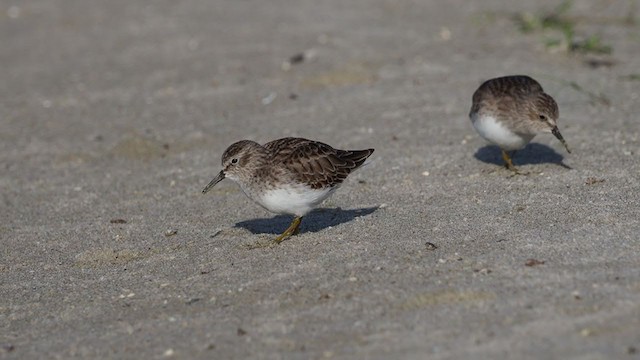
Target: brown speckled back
[
  {"x": 507, "y": 90},
  {"x": 313, "y": 163}
]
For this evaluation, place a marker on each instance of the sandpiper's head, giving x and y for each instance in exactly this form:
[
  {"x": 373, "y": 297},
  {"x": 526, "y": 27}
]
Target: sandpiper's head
[
  {"x": 237, "y": 162},
  {"x": 545, "y": 114}
]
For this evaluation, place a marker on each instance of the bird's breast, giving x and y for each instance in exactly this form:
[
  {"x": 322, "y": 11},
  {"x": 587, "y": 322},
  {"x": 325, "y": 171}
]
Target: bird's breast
[
  {"x": 292, "y": 199},
  {"x": 498, "y": 133}
]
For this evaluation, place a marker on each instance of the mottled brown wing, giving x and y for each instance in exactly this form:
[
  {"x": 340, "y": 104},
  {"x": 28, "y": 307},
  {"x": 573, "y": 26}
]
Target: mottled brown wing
[
  {"x": 317, "y": 164},
  {"x": 285, "y": 146},
  {"x": 504, "y": 91}
]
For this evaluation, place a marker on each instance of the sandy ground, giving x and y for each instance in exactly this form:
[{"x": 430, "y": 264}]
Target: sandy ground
[{"x": 114, "y": 115}]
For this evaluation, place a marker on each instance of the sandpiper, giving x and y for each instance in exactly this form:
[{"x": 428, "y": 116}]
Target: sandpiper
[
  {"x": 509, "y": 111},
  {"x": 289, "y": 175}
]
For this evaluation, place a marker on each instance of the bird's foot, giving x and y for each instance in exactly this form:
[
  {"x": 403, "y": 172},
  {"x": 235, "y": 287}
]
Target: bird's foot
[
  {"x": 293, "y": 229},
  {"x": 516, "y": 172},
  {"x": 508, "y": 163}
]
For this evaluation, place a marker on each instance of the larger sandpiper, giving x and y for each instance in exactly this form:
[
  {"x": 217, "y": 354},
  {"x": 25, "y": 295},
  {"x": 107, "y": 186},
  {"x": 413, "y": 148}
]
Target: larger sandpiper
[
  {"x": 509, "y": 111},
  {"x": 288, "y": 176}
]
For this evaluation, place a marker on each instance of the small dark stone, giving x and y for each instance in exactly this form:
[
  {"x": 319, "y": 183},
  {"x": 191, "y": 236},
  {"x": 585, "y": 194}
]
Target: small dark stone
[
  {"x": 193, "y": 301},
  {"x": 593, "y": 181},
  {"x": 118, "y": 221},
  {"x": 170, "y": 232},
  {"x": 293, "y": 96},
  {"x": 241, "y": 332},
  {"x": 297, "y": 58},
  {"x": 430, "y": 246},
  {"x": 483, "y": 271},
  {"x": 632, "y": 350},
  {"x": 533, "y": 262}
]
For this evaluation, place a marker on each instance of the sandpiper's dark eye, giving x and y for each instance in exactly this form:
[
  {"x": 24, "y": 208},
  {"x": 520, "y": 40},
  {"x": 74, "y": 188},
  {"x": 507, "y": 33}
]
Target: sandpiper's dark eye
[
  {"x": 542, "y": 117},
  {"x": 234, "y": 161}
]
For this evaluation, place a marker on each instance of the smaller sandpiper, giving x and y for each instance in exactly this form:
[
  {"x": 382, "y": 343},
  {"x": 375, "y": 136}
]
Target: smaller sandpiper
[
  {"x": 509, "y": 111},
  {"x": 289, "y": 175}
]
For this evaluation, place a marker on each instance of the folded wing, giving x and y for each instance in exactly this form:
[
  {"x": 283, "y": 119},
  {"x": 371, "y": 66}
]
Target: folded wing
[{"x": 316, "y": 164}]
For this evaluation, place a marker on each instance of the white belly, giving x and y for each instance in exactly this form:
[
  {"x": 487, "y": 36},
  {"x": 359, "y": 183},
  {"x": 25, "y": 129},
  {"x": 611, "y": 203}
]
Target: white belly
[
  {"x": 496, "y": 133},
  {"x": 296, "y": 200}
]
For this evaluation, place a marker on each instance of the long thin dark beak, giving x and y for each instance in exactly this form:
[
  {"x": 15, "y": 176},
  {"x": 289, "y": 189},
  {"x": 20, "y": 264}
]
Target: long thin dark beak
[
  {"x": 213, "y": 182},
  {"x": 556, "y": 132}
]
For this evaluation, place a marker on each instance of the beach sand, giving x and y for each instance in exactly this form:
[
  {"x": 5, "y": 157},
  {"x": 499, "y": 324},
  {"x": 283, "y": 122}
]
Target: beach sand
[{"x": 114, "y": 116}]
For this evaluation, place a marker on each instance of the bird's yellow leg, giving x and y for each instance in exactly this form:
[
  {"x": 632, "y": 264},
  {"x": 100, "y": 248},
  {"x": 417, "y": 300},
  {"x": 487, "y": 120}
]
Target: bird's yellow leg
[
  {"x": 509, "y": 164},
  {"x": 291, "y": 230},
  {"x": 507, "y": 161}
]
